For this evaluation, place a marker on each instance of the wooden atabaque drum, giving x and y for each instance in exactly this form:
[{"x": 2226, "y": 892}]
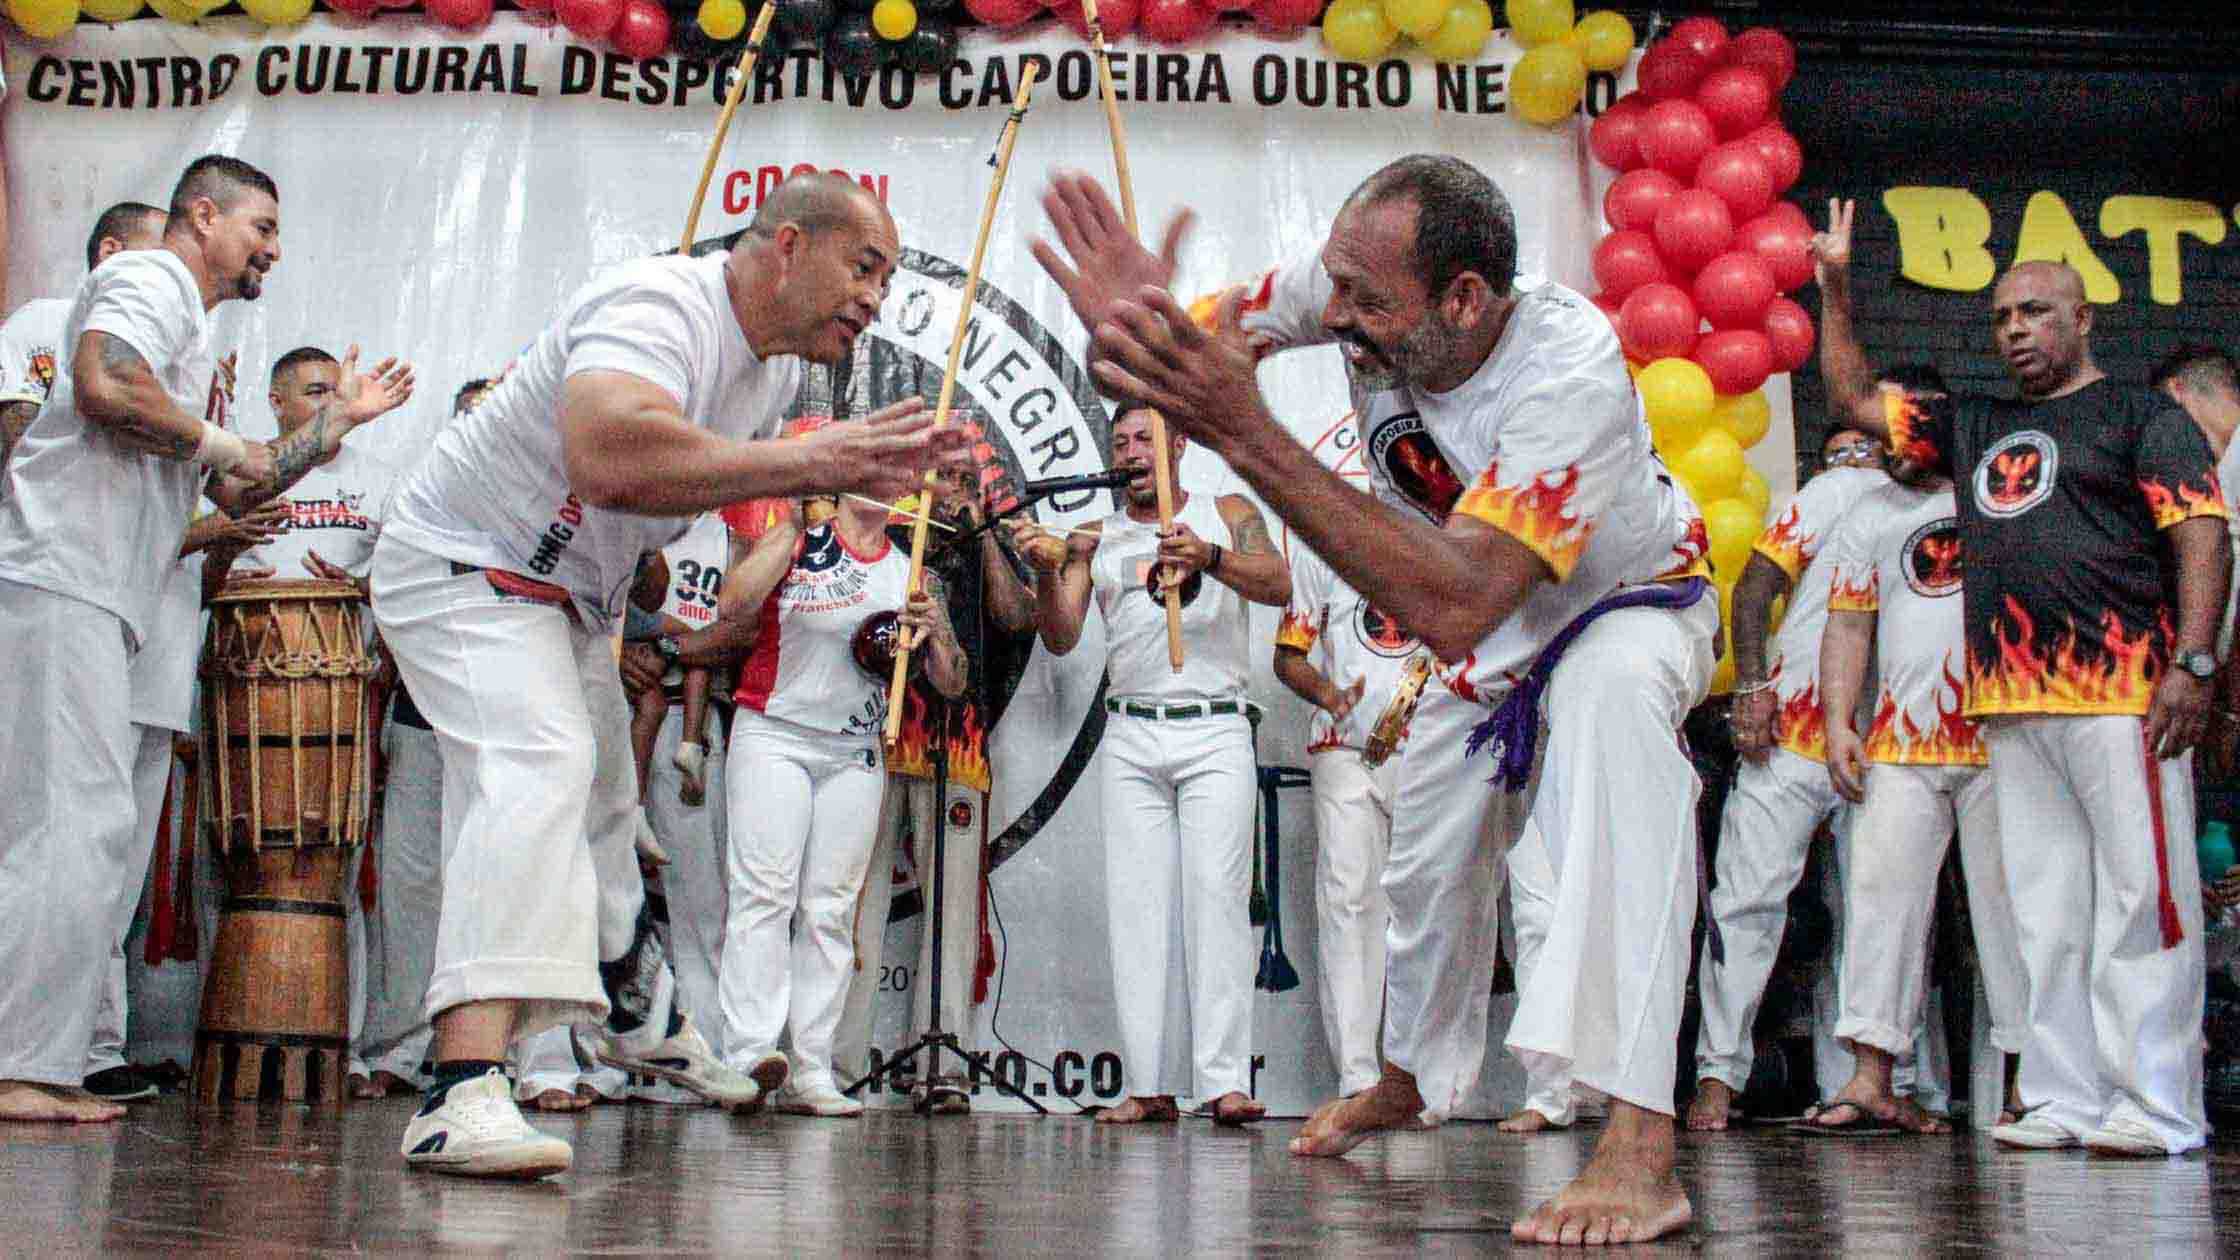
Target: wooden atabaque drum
[{"x": 285, "y": 677}]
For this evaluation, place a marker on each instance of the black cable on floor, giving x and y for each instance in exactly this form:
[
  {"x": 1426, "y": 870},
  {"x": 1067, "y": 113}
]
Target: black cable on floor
[{"x": 995, "y": 1013}]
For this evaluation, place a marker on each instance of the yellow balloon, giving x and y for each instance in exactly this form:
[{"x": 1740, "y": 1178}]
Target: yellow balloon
[
  {"x": 1536, "y": 22},
  {"x": 1546, "y": 84},
  {"x": 1416, "y": 18},
  {"x": 722, "y": 19},
  {"x": 44, "y": 19},
  {"x": 894, "y": 19},
  {"x": 277, "y": 12},
  {"x": 1714, "y": 466},
  {"x": 1676, "y": 395},
  {"x": 1463, "y": 34},
  {"x": 112, "y": 10},
  {"x": 184, "y": 12},
  {"x": 1755, "y": 492},
  {"x": 1746, "y": 416},
  {"x": 1604, "y": 40},
  {"x": 1357, "y": 30},
  {"x": 1734, "y": 527}
]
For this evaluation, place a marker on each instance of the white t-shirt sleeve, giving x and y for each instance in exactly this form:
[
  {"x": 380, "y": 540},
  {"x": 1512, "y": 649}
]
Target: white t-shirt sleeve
[
  {"x": 1851, "y": 556},
  {"x": 137, "y": 300},
  {"x": 644, "y": 331},
  {"x": 1560, "y": 460},
  {"x": 18, "y": 382}
]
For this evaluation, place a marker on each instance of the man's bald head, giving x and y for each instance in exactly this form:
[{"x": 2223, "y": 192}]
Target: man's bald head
[
  {"x": 812, "y": 269},
  {"x": 2042, "y": 325},
  {"x": 814, "y": 202}
]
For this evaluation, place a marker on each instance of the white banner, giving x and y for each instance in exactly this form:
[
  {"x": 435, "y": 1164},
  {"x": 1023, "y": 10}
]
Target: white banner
[{"x": 439, "y": 198}]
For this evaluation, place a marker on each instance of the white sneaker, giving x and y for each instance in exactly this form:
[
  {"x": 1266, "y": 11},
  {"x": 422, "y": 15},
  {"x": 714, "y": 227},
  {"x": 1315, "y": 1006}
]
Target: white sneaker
[
  {"x": 817, "y": 1100},
  {"x": 691, "y": 761},
  {"x": 684, "y": 1059},
  {"x": 2034, "y": 1133},
  {"x": 2125, "y": 1136},
  {"x": 649, "y": 844},
  {"x": 477, "y": 1131}
]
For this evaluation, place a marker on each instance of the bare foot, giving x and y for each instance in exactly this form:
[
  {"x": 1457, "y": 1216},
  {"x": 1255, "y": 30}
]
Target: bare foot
[
  {"x": 25, "y": 1101},
  {"x": 1626, "y": 1193},
  {"x": 1909, "y": 1115},
  {"x": 1153, "y": 1109},
  {"x": 1234, "y": 1109},
  {"x": 562, "y": 1100},
  {"x": 1529, "y": 1121},
  {"x": 1713, "y": 1107},
  {"x": 1338, "y": 1127}
]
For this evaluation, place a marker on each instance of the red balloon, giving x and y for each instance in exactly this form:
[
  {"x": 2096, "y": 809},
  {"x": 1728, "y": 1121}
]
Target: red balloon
[
  {"x": 357, "y": 8},
  {"x": 1675, "y": 135},
  {"x": 1782, "y": 244},
  {"x": 1737, "y": 98},
  {"x": 642, "y": 31},
  {"x": 1270, "y": 15},
  {"x": 1175, "y": 21},
  {"x": 1706, "y": 35},
  {"x": 1669, "y": 71},
  {"x": 1657, "y": 321},
  {"x": 1732, "y": 290},
  {"x": 1788, "y": 330},
  {"x": 1607, "y": 305},
  {"x": 1692, "y": 229},
  {"x": 536, "y": 6},
  {"x": 588, "y": 19},
  {"x": 1766, "y": 50},
  {"x": 1636, "y": 196},
  {"x": 1737, "y": 361},
  {"x": 1624, "y": 261},
  {"x": 1738, "y": 176},
  {"x": 1783, "y": 156},
  {"x": 1615, "y": 136},
  {"x": 460, "y": 15},
  {"x": 1003, "y": 13},
  {"x": 1119, "y": 17},
  {"x": 1793, "y": 213}
]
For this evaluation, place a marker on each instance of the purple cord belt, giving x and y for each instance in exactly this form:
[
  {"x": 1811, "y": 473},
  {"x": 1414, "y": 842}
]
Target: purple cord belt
[{"x": 1514, "y": 726}]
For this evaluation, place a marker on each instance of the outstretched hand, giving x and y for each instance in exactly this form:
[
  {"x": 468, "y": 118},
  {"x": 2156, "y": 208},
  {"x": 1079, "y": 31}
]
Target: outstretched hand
[
  {"x": 1108, "y": 265},
  {"x": 1831, "y": 250},
  {"x": 1204, "y": 381},
  {"x": 365, "y": 396},
  {"x": 887, "y": 454}
]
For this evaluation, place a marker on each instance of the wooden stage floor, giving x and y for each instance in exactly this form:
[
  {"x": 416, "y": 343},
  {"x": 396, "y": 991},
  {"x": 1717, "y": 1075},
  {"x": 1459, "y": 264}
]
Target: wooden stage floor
[{"x": 653, "y": 1180}]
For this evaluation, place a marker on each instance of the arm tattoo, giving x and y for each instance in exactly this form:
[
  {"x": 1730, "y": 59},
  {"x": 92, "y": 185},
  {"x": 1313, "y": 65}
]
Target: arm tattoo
[
  {"x": 15, "y": 417},
  {"x": 297, "y": 454},
  {"x": 1252, "y": 536},
  {"x": 119, "y": 359}
]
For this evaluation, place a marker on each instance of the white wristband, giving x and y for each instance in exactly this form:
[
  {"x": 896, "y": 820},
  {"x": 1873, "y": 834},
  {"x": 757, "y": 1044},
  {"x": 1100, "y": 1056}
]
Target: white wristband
[{"x": 219, "y": 450}]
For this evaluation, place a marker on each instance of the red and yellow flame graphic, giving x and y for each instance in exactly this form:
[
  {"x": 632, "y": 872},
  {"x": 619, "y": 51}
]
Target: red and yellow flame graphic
[
  {"x": 1783, "y": 544},
  {"x": 968, "y": 743},
  {"x": 1909, "y": 429},
  {"x": 1295, "y": 631},
  {"x": 2115, "y": 674},
  {"x": 1691, "y": 556},
  {"x": 1799, "y": 725},
  {"x": 2187, "y": 503},
  {"x": 1952, "y": 741},
  {"x": 1536, "y": 513},
  {"x": 1846, "y": 595}
]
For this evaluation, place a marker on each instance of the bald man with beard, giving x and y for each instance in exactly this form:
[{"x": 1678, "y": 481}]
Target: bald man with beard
[{"x": 2094, "y": 531}]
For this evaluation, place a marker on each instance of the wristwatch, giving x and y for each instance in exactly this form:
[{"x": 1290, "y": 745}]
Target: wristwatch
[
  {"x": 2201, "y": 665},
  {"x": 666, "y": 645}
]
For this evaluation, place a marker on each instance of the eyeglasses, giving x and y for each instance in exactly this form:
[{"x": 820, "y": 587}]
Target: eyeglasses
[{"x": 1852, "y": 454}]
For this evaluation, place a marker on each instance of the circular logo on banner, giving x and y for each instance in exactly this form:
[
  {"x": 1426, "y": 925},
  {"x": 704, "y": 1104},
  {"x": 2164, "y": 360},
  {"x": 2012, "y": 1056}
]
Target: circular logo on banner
[
  {"x": 1932, "y": 559},
  {"x": 960, "y": 814},
  {"x": 1381, "y": 634},
  {"x": 2016, "y": 474},
  {"x": 1033, "y": 413}
]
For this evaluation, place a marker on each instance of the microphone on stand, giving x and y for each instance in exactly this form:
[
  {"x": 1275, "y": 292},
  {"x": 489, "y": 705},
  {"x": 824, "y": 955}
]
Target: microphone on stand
[{"x": 1109, "y": 480}]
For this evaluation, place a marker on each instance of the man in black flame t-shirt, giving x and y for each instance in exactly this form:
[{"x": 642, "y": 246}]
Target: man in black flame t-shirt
[{"x": 2097, "y": 569}]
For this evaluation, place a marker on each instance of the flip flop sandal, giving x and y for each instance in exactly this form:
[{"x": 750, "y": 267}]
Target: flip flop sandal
[{"x": 1863, "y": 1123}]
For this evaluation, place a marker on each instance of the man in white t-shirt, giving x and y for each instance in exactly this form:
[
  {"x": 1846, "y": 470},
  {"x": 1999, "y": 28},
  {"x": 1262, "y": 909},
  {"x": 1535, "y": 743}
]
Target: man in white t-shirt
[
  {"x": 335, "y": 511},
  {"x": 500, "y": 578},
  {"x": 93, "y": 508},
  {"x": 1342, "y": 655},
  {"x": 1522, "y": 528},
  {"x": 31, "y": 340}
]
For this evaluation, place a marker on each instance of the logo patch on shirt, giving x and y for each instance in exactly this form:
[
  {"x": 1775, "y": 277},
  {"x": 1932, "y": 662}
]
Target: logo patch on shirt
[
  {"x": 2016, "y": 474},
  {"x": 1932, "y": 559},
  {"x": 1414, "y": 466},
  {"x": 1382, "y": 635}
]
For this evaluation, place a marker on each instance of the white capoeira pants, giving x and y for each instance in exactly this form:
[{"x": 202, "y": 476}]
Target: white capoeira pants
[
  {"x": 540, "y": 801},
  {"x": 804, "y": 813},
  {"x": 1897, "y": 845},
  {"x": 1178, "y": 801},
  {"x": 1765, "y": 834},
  {"x": 1614, "y": 800},
  {"x": 1532, "y": 890},
  {"x": 908, "y": 810},
  {"x": 693, "y": 883},
  {"x": 2094, "y": 832},
  {"x": 401, "y": 931},
  {"x": 72, "y": 851},
  {"x": 151, "y": 775},
  {"x": 1353, "y": 832}
]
